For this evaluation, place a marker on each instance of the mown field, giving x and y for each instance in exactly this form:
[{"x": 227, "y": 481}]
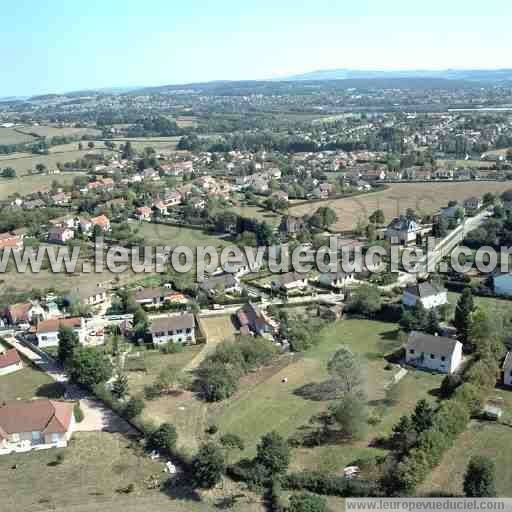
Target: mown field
[
  {"x": 425, "y": 198},
  {"x": 53, "y": 131},
  {"x": 255, "y": 212}
]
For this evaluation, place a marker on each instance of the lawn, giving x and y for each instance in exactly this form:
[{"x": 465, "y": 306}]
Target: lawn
[
  {"x": 425, "y": 198},
  {"x": 258, "y": 213},
  {"x": 96, "y": 467},
  {"x": 28, "y": 184},
  {"x": 273, "y": 404},
  {"x": 154, "y": 362},
  {"x": 30, "y": 382},
  {"x": 173, "y": 236},
  {"x": 489, "y": 439},
  {"x": 218, "y": 327},
  {"x": 490, "y": 305}
]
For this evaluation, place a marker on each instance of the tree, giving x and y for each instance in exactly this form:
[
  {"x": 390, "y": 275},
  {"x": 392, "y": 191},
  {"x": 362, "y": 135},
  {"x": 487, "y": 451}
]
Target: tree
[
  {"x": 306, "y": 502},
  {"x": 365, "y": 300},
  {"x": 68, "y": 342},
  {"x": 89, "y": 367},
  {"x": 120, "y": 386},
  {"x": 422, "y": 416},
  {"x": 351, "y": 416},
  {"x": 273, "y": 453},
  {"x": 167, "y": 379},
  {"x": 480, "y": 478},
  {"x": 345, "y": 369},
  {"x": 323, "y": 217},
  {"x": 232, "y": 442},
  {"x": 163, "y": 439},
  {"x": 377, "y": 217},
  {"x": 432, "y": 324},
  {"x": 90, "y": 144},
  {"x": 207, "y": 466},
  {"x": 218, "y": 382},
  {"x": 8, "y": 172},
  {"x": 40, "y": 168},
  {"x": 404, "y": 435},
  {"x": 462, "y": 319},
  {"x": 133, "y": 408}
]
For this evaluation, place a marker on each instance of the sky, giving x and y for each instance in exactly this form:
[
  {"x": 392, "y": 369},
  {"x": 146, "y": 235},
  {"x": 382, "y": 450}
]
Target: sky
[{"x": 62, "y": 45}]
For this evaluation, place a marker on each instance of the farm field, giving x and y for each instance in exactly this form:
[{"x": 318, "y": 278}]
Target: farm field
[
  {"x": 36, "y": 183},
  {"x": 272, "y": 404},
  {"x": 23, "y": 163},
  {"x": 53, "y": 131},
  {"x": 488, "y": 439},
  {"x": 425, "y": 198},
  {"x": 13, "y": 136},
  {"x": 161, "y": 234}
]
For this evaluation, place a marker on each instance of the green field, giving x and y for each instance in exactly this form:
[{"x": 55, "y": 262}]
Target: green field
[
  {"x": 255, "y": 212},
  {"x": 490, "y": 305},
  {"x": 53, "y": 131},
  {"x": 272, "y": 404},
  {"x": 488, "y": 439},
  {"x": 37, "y": 183},
  {"x": 13, "y": 136},
  {"x": 23, "y": 163},
  {"x": 161, "y": 234}
]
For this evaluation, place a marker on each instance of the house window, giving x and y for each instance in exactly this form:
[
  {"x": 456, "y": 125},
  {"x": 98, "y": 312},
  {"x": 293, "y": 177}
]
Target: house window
[
  {"x": 179, "y": 331},
  {"x": 432, "y": 356},
  {"x": 36, "y": 436},
  {"x": 188, "y": 330},
  {"x": 443, "y": 358},
  {"x": 55, "y": 437},
  {"x": 411, "y": 351}
]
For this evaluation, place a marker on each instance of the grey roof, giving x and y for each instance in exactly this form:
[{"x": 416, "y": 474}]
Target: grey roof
[
  {"x": 426, "y": 289},
  {"x": 422, "y": 342},
  {"x": 507, "y": 364},
  {"x": 226, "y": 280},
  {"x": 171, "y": 323},
  {"x": 151, "y": 293},
  {"x": 402, "y": 223}
]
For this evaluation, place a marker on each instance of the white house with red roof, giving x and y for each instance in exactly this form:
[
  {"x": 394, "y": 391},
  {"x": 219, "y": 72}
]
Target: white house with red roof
[
  {"x": 47, "y": 331},
  {"x": 35, "y": 425}
]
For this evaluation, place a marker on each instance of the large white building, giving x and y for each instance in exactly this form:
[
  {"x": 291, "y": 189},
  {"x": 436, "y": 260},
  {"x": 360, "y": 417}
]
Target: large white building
[{"x": 433, "y": 352}]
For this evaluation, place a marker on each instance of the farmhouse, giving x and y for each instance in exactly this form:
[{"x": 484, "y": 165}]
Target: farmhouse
[
  {"x": 433, "y": 352},
  {"x": 175, "y": 328},
  {"x": 430, "y": 295},
  {"x": 35, "y": 425},
  {"x": 10, "y": 362},
  {"x": 47, "y": 331}
]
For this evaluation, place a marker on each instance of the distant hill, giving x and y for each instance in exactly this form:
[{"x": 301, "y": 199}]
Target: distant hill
[{"x": 480, "y": 75}]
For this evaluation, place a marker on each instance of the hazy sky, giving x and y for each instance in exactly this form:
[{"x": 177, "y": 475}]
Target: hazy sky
[{"x": 63, "y": 45}]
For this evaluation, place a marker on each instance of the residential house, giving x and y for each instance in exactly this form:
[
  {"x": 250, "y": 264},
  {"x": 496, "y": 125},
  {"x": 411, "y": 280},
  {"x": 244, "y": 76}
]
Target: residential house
[
  {"x": 292, "y": 225},
  {"x": 154, "y": 297},
  {"x": 290, "y": 281},
  {"x": 472, "y": 205},
  {"x": 337, "y": 280},
  {"x": 251, "y": 319},
  {"x": 160, "y": 208},
  {"x": 60, "y": 235},
  {"x": 323, "y": 190},
  {"x": 454, "y": 211},
  {"x": 443, "y": 174},
  {"x": 402, "y": 230},
  {"x": 11, "y": 240},
  {"x": 24, "y": 312},
  {"x": 35, "y": 425},
  {"x": 61, "y": 198},
  {"x": 10, "y": 362},
  {"x": 433, "y": 352},
  {"x": 330, "y": 313},
  {"x": 33, "y": 204},
  {"x": 47, "y": 331},
  {"x": 175, "y": 328},
  {"x": 431, "y": 295},
  {"x": 89, "y": 294},
  {"x": 102, "y": 221},
  {"x": 144, "y": 213},
  {"x": 223, "y": 283}
]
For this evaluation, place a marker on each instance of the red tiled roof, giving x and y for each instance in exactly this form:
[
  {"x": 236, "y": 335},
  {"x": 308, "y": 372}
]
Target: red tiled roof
[
  {"x": 9, "y": 357},
  {"x": 55, "y": 324},
  {"x": 40, "y": 415}
]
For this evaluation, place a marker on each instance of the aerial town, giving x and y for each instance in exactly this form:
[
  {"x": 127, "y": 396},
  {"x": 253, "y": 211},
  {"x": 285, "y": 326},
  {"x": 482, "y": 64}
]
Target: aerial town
[{"x": 166, "y": 387}]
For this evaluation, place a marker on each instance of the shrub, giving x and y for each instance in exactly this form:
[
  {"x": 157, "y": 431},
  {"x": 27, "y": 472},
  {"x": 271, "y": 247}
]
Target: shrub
[
  {"x": 133, "y": 408},
  {"x": 163, "y": 439},
  {"x": 78, "y": 413}
]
